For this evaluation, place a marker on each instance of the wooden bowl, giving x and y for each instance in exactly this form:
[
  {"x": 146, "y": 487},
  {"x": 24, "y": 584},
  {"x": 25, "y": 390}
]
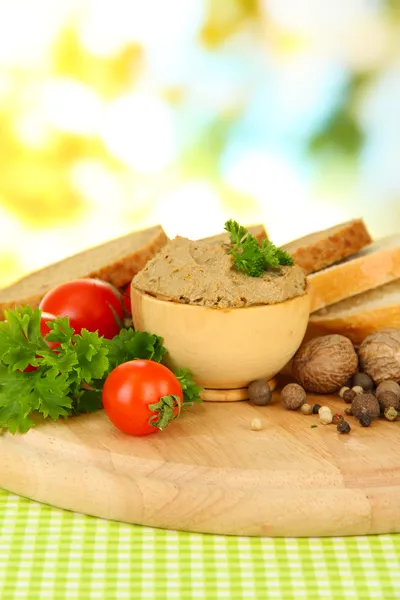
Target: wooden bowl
[{"x": 224, "y": 348}]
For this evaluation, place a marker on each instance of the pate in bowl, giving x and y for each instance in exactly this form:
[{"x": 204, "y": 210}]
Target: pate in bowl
[{"x": 226, "y": 327}]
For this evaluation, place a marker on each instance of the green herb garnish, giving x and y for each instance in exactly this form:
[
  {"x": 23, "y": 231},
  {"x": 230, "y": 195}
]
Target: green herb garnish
[
  {"x": 249, "y": 256},
  {"x": 68, "y": 380}
]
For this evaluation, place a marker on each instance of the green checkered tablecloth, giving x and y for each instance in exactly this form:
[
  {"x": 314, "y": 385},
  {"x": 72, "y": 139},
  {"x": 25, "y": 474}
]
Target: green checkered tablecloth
[{"x": 55, "y": 554}]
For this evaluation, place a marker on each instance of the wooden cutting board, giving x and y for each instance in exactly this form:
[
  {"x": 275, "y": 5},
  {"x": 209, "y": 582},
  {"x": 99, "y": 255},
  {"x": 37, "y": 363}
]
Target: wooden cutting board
[{"x": 209, "y": 472}]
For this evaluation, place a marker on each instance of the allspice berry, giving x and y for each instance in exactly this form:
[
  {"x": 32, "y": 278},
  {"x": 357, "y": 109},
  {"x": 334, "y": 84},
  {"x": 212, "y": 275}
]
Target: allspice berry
[
  {"x": 387, "y": 399},
  {"x": 388, "y": 386},
  {"x": 365, "y": 404},
  {"x": 306, "y": 409},
  {"x": 365, "y": 420},
  {"x": 293, "y": 396},
  {"x": 364, "y": 381},
  {"x": 349, "y": 396},
  {"x": 259, "y": 393}
]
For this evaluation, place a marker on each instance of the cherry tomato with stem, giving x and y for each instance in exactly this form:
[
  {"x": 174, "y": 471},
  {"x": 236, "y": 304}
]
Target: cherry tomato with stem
[{"x": 142, "y": 396}]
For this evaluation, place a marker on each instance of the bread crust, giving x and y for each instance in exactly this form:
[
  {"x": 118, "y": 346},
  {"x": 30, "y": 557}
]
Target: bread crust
[
  {"x": 332, "y": 246},
  {"x": 358, "y": 325},
  {"x": 354, "y": 276}
]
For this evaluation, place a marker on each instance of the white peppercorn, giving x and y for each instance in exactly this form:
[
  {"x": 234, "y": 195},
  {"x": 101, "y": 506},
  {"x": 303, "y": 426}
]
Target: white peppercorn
[
  {"x": 358, "y": 389},
  {"x": 256, "y": 424}
]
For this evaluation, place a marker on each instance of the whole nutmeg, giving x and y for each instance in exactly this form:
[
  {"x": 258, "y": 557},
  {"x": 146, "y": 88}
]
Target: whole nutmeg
[
  {"x": 365, "y": 404},
  {"x": 293, "y": 396},
  {"x": 387, "y": 399},
  {"x": 259, "y": 393},
  {"x": 388, "y": 386},
  {"x": 324, "y": 364},
  {"x": 364, "y": 381},
  {"x": 380, "y": 355}
]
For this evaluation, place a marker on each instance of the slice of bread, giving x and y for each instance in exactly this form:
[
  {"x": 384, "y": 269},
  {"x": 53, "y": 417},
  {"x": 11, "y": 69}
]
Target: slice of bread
[
  {"x": 373, "y": 266},
  {"x": 360, "y": 315},
  {"x": 116, "y": 262},
  {"x": 319, "y": 250}
]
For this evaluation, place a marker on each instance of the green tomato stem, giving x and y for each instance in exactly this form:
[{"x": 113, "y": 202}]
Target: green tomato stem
[{"x": 164, "y": 411}]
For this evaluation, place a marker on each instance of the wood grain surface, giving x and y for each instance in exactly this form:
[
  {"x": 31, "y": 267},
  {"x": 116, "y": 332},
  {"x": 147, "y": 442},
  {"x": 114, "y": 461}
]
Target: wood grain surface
[{"x": 209, "y": 472}]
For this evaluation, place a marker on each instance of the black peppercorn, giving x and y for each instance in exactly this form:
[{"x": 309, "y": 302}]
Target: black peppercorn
[
  {"x": 365, "y": 420},
  {"x": 316, "y": 408},
  {"x": 343, "y": 427}
]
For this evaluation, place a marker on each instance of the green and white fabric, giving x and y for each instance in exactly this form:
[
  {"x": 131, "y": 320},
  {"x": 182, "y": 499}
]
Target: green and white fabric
[{"x": 53, "y": 554}]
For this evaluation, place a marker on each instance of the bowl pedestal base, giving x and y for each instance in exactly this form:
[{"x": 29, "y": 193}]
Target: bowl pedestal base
[{"x": 234, "y": 395}]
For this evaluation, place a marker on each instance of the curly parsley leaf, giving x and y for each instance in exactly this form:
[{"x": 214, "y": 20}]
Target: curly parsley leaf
[
  {"x": 269, "y": 254},
  {"x": 284, "y": 257},
  {"x": 17, "y": 400},
  {"x": 60, "y": 331},
  {"x": 52, "y": 390},
  {"x": 237, "y": 232},
  {"x": 191, "y": 391},
  {"x": 20, "y": 338},
  {"x": 130, "y": 344},
  {"x": 91, "y": 354},
  {"x": 22, "y": 394},
  {"x": 87, "y": 401},
  {"x": 249, "y": 256}
]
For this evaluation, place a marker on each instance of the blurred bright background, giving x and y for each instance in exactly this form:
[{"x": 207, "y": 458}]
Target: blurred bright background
[{"x": 119, "y": 114}]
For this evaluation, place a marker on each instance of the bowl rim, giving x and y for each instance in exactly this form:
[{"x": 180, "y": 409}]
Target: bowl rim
[{"x": 219, "y": 309}]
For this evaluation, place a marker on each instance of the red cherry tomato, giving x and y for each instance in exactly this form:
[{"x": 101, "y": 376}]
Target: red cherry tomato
[
  {"x": 44, "y": 330},
  {"x": 89, "y": 303},
  {"x": 126, "y": 299},
  {"x": 131, "y": 387}
]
